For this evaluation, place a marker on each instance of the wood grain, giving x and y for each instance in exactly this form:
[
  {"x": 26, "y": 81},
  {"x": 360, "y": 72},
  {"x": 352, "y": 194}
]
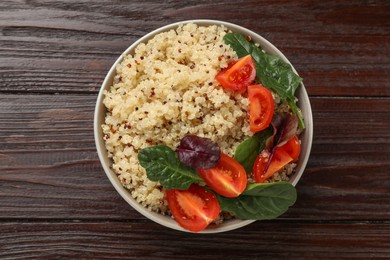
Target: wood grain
[{"x": 137, "y": 240}]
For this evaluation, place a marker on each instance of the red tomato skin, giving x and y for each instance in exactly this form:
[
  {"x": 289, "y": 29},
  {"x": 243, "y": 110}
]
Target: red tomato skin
[
  {"x": 293, "y": 148},
  {"x": 197, "y": 200},
  {"x": 228, "y": 178},
  {"x": 261, "y": 107},
  {"x": 238, "y": 75},
  {"x": 279, "y": 159}
]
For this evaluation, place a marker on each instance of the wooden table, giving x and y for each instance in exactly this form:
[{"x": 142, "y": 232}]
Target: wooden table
[{"x": 55, "y": 199}]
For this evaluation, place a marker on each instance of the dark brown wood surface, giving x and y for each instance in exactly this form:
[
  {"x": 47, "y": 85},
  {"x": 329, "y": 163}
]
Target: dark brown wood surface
[{"x": 55, "y": 200}]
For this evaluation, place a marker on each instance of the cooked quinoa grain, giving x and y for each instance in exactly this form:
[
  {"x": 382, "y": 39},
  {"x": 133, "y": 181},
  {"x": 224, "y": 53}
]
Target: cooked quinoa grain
[{"x": 165, "y": 91}]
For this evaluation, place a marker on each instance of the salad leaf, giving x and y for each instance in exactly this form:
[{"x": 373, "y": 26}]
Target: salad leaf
[
  {"x": 298, "y": 112},
  {"x": 273, "y": 72},
  {"x": 161, "y": 164},
  {"x": 285, "y": 126},
  {"x": 287, "y": 129},
  {"x": 247, "y": 152},
  {"x": 261, "y": 201},
  {"x": 198, "y": 152}
]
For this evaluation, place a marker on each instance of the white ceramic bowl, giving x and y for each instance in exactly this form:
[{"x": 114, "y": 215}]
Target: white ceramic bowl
[{"x": 100, "y": 111}]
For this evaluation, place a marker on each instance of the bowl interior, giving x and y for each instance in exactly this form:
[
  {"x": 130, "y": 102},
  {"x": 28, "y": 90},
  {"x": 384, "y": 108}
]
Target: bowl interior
[{"x": 100, "y": 111}]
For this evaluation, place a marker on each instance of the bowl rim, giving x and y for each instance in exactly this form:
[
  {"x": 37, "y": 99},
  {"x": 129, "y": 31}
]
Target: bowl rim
[{"x": 99, "y": 115}]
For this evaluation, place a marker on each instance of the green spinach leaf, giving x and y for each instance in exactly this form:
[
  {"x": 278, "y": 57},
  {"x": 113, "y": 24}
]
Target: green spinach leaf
[
  {"x": 298, "y": 112},
  {"x": 161, "y": 164},
  {"x": 261, "y": 201},
  {"x": 247, "y": 152},
  {"x": 273, "y": 72}
]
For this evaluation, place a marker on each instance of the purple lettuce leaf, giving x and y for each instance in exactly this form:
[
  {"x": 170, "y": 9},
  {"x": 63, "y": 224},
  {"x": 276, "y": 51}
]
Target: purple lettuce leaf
[
  {"x": 285, "y": 127},
  {"x": 198, "y": 152},
  {"x": 287, "y": 130}
]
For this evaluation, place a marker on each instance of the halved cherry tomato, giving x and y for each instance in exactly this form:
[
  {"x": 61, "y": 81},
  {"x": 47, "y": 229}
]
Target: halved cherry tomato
[
  {"x": 279, "y": 159},
  {"x": 261, "y": 107},
  {"x": 239, "y": 74},
  {"x": 228, "y": 178},
  {"x": 193, "y": 209},
  {"x": 293, "y": 148}
]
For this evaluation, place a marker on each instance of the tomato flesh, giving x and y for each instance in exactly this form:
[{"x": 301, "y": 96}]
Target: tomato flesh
[
  {"x": 238, "y": 75},
  {"x": 193, "y": 209},
  {"x": 228, "y": 178},
  {"x": 279, "y": 159},
  {"x": 293, "y": 148},
  {"x": 261, "y": 107}
]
